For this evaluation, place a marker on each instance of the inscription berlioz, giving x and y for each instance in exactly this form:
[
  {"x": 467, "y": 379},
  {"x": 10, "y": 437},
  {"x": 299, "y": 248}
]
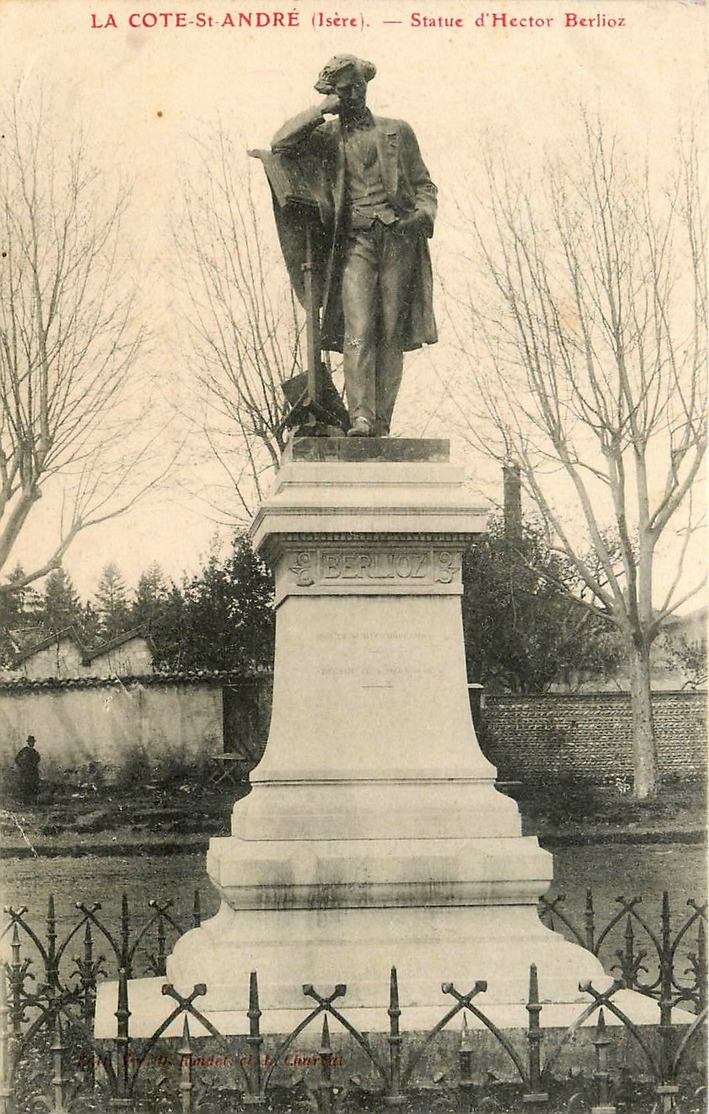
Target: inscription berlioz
[
  {"x": 380, "y": 566},
  {"x": 375, "y": 566}
]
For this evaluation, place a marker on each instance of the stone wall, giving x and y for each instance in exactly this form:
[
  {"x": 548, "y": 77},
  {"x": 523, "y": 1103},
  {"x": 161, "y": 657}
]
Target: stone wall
[
  {"x": 588, "y": 736},
  {"x": 82, "y": 721}
]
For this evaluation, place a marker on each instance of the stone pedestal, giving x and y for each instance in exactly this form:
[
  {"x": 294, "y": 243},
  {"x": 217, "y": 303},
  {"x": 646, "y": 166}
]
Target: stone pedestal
[{"x": 373, "y": 835}]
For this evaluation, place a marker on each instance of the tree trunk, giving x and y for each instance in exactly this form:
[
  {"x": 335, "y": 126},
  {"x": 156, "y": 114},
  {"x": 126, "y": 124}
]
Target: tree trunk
[{"x": 644, "y": 746}]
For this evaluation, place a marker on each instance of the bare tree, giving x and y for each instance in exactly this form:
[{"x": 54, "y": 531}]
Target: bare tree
[
  {"x": 68, "y": 343},
  {"x": 584, "y": 350},
  {"x": 244, "y": 324}
]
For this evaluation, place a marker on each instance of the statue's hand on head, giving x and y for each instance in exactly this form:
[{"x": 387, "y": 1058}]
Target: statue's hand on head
[{"x": 331, "y": 105}]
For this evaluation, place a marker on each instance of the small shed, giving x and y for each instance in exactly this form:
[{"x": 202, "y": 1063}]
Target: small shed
[{"x": 64, "y": 656}]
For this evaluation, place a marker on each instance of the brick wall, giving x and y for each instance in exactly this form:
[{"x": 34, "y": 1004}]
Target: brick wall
[{"x": 589, "y": 735}]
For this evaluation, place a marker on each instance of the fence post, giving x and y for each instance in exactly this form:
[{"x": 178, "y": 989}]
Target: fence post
[
  {"x": 186, "y": 1062},
  {"x": 16, "y": 980},
  {"x": 5, "y": 1065},
  {"x": 254, "y": 1041},
  {"x": 394, "y": 1096},
  {"x": 534, "y": 1096},
  {"x": 88, "y": 977},
  {"x": 589, "y": 920},
  {"x": 161, "y": 952},
  {"x": 51, "y": 960},
  {"x": 627, "y": 958},
  {"x": 324, "y": 1095},
  {"x": 701, "y": 968},
  {"x": 125, "y": 962},
  {"x": 465, "y": 1065},
  {"x": 601, "y": 1075},
  {"x": 58, "y": 1079},
  {"x": 122, "y": 1099},
  {"x": 666, "y": 1089}
]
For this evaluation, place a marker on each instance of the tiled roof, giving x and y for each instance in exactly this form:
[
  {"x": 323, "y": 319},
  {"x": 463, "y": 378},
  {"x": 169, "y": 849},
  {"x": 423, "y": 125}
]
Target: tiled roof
[{"x": 195, "y": 677}]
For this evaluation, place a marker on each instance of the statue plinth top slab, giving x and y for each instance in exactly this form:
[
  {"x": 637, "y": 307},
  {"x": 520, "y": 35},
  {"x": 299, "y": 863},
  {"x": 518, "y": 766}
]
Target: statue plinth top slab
[{"x": 366, "y": 450}]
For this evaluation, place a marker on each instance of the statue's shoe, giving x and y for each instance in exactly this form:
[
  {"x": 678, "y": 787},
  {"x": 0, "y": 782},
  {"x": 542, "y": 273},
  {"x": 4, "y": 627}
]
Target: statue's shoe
[{"x": 360, "y": 428}]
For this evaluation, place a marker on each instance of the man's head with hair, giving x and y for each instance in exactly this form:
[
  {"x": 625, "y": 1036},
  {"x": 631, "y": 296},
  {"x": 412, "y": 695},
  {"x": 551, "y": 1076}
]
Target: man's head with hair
[
  {"x": 341, "y": 67},
  {"x": 344, "y": 83}
]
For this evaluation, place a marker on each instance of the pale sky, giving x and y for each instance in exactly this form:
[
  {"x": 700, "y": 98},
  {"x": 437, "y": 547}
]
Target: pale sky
[{"x": 145, "y": 94}]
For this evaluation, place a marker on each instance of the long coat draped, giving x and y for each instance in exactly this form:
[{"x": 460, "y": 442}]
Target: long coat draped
[{"x": 312, "y": 154}]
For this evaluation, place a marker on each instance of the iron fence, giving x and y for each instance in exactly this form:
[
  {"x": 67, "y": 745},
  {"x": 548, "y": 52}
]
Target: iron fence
[{"x": 50, "y": 1060}]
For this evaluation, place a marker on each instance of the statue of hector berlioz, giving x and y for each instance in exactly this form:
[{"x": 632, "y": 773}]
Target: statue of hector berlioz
[{"x": 354, "y": 207}]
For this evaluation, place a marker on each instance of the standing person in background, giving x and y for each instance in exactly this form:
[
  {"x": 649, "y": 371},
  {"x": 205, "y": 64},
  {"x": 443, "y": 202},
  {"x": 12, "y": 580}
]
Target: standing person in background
[{"x": 27, "y": 761}]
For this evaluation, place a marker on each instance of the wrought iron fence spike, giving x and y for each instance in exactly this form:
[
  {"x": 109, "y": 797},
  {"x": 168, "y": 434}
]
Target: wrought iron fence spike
[
  {"x": 161, "y": 959},
  {"x": 254, "y": 1041},
  {"x": 394, "y": 1011},
  {"x": 50, "y": 962},
  {"x": 601, "y": 1042},
  {"x": 394, "y": 993},
  {"x": 5, "y": 1089},
  {"x": 17, "y": 970},
  {"x": 186, "y": 1068},
  {"x": 466, "y": 1041},
  {"x": 254, "y": 1010},
  {"x": 534, "y": 1095},
  {"x": 325, "y": 1090},
  {"x": 700, "y": 970},
  {"x": 665, "y": 920},
  {"x": 590, "y": 921},
  {"x": 533, "y": 985},
  {"x": 57, "y": 1049},
  {"x": 122, "y": 1041}
]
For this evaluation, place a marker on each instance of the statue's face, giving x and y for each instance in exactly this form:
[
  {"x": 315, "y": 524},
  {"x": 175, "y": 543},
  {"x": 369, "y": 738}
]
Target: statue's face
[{"x": 351, "y": 88}]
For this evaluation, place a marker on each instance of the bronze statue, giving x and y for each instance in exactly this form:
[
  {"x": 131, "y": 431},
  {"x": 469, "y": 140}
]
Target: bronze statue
[{"x": 372, "y": 207}]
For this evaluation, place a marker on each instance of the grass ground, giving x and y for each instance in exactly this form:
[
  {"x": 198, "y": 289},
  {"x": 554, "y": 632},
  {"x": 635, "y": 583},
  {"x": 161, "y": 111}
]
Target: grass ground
[{"x": 679, "y": 807}]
